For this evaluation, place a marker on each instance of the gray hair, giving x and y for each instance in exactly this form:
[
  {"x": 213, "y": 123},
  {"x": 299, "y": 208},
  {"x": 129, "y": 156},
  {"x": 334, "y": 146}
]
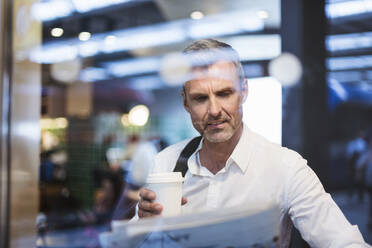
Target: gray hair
[{"x": 207, "y": 51}]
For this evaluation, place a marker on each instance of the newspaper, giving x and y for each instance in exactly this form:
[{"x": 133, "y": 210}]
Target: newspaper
[{"x": 235, "y": 227}]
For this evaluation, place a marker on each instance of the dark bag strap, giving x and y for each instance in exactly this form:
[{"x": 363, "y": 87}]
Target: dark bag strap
[{"x": 181, "y": 165}]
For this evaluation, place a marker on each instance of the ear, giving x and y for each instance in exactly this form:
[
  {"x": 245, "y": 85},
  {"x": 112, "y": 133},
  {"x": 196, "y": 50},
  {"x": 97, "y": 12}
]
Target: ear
[
  {"x": 184, "y": 98},
  {"x": 244, "y": 88}
]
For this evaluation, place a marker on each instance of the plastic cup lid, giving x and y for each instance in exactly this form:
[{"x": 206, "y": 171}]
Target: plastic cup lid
[{"x": 167, "y": 177}]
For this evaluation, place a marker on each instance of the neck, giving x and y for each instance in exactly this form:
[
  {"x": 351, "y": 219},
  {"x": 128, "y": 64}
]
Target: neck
[{"x": 213, "y": 156}]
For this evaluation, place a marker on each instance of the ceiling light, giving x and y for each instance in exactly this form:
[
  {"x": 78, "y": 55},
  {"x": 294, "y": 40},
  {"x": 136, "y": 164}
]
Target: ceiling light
[
  {"x": 251, "y": 47},
  {"x": 47, "y": 11},
  {"x": 53, "y": 53},
  {"x": 263, "y": 14},
  {"x": 150, "y": 36},
  {"x": 88, "y": 48},
  {"x": 145, "y": 37},
  {"x": 348, "y": 8},
  {"x": 83, "y": 6},
  {"x": 133, "y": 66},
  {"x": 351, "y": 62},
  {"x": 51, "y": 10},
  {"x": 213, "y": 26},
  {"x": 197, "y": 15},
  {"x": 341, "y": 42},
  {"x": 92, "y": 74},
  {"x": 346, "y": 76},
  {"x": 256, "y": 47},
  {"x": 110, "y": 40},
  {"x": 146, "y": 83},
  {"x": 84, "y": 36},
  {"x": 56, "y": 32}
]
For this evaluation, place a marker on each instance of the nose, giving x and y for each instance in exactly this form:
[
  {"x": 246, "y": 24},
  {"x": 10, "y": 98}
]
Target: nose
[{"x": 214, "y": 107}]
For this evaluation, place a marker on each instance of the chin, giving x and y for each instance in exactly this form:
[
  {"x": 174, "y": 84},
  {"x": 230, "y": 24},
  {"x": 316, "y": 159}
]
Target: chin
[{"x": 218, "y": 138}]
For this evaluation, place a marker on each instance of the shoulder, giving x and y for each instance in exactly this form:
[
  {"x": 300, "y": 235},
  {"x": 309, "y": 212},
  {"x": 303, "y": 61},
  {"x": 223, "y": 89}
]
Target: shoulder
[
  {"x": 278, "y": 155},
  {"x": 173, "y": 150},
  {"x": 165, "y": 160}
]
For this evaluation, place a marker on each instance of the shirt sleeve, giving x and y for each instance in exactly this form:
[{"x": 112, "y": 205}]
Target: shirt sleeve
[{"x": 315, "y": 214}]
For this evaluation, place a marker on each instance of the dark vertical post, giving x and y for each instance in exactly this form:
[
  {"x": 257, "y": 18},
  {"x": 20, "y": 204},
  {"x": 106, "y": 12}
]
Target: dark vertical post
[
  {"x": 305, "y": 122},
  {"x": 291, "y": 36},
  {"x": 305, "y": 110},
  {"x": 315, "y": 91}
]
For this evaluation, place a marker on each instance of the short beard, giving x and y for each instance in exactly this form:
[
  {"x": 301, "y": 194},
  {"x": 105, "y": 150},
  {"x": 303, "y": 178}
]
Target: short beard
[{"x": 219, "y": 139}]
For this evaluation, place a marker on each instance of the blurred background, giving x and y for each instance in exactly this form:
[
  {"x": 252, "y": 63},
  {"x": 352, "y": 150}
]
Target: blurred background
[{"x": 84, "y": 82}]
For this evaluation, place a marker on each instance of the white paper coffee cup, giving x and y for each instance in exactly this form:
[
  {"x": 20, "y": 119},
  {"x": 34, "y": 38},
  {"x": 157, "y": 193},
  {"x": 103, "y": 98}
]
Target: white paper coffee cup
[{"x": 168, "y": 190}]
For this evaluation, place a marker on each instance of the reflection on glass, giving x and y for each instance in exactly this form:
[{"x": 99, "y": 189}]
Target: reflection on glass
[{"x": 111, "y": 83}]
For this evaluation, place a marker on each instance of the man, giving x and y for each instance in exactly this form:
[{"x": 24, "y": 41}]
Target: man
[{"x": 233, "y": 166}]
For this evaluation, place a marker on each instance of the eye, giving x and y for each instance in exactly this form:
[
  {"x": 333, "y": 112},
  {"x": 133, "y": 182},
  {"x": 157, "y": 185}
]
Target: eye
[
  {"x": 224, "y": 93},
  {"x": 200, "y": 98}
]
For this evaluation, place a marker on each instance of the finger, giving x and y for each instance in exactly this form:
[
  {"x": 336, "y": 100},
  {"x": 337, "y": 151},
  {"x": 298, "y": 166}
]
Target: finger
[
  {"x": 147, "y": 194},
  {"x": 152, "y": 207},
  {"x": 144, "y": 205},
  {"x": 156, "y": 208},
  {"x": 184, "y": 200},
  {"x": 144, "y": 214}
]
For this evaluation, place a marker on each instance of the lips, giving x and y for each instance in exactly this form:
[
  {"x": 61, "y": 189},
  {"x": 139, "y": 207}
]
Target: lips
[{"x": 216, "y": 124}]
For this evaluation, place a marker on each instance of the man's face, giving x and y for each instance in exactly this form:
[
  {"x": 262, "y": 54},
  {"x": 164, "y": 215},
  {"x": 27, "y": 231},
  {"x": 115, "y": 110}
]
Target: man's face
[{"x": 214, "y": 100}]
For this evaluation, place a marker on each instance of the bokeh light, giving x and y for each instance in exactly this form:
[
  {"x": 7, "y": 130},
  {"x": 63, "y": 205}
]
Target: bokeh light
[
  {"x": 56, "y": 123},
  {"x": 110, "y": 40},
  {"x": 61, "y": 122},
  {"x": 263, "y": 14},
  {"x": 125, "y": 120},
  {"x": 196, "y": 15},
  {"x": 56, "y": 32},
  {"x": 174, "y": 69},
  {"x": 66, "y": 71},
  {"x": 139, "y": 115},
  {"x": 48, "y": 140},
  {"x": 286, "y": 68},
  {"x": 84, "y": 36}
]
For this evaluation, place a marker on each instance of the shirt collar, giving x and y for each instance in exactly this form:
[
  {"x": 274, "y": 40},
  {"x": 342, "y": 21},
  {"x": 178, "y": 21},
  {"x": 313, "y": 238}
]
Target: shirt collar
[
  {"x": 243, "y": 150},
  {"x": 240, "y": 156}
]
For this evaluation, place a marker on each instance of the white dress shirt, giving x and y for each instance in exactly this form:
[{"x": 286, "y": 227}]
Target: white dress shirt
[{"x": 257, "y": 172}]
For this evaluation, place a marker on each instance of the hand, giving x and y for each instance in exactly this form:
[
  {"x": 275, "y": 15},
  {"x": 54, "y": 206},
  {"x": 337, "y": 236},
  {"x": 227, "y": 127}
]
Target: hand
[{"x": 147, "y": 207}]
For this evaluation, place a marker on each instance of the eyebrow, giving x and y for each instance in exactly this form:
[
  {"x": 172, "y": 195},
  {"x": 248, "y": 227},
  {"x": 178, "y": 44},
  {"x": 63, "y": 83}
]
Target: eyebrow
[
  {"x": 196, "y": 94},
  {"x": 226, "y": 89}
]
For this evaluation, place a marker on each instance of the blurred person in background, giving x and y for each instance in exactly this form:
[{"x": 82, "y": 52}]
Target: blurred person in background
[
  {"x": 109, "y": 185},
  {"x": 233, "y": 166},
  {"x": 136, "y": 175},
  {"x": 364, "y": 167},
  {"x": 355, "y": 148}
]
